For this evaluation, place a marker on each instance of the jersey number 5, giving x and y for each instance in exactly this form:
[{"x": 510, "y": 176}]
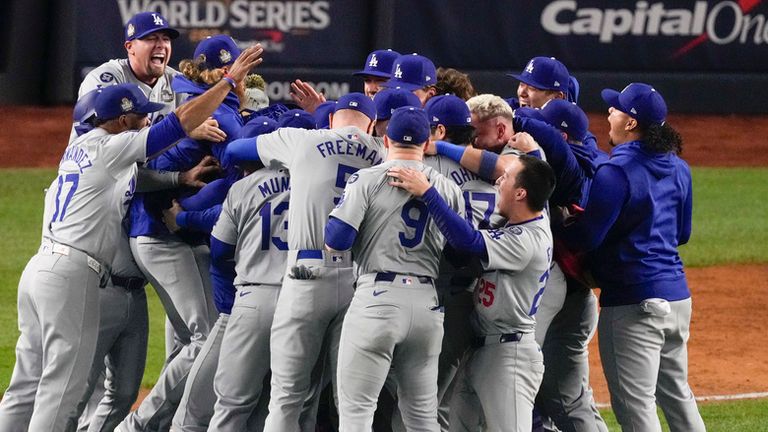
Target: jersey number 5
[{"x": 69, "y": 181}]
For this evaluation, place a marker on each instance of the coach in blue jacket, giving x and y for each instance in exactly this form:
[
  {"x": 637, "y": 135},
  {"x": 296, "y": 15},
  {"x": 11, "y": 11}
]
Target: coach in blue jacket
[{"x": 638, "y": 212}]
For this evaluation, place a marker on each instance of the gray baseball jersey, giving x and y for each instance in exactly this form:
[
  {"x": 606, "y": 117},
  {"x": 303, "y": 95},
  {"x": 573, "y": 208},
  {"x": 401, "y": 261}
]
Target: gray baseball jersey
[
  {"x": 480, "y": 196},
  {"x": 393, "y": 223},
  {"x": 96, "y": 181},
  {"x": 254, "y": 217},
  {"x": 507, "y": 295},
  {"x": 118, "y": 71},
  {"x": 320, "y": 161}
]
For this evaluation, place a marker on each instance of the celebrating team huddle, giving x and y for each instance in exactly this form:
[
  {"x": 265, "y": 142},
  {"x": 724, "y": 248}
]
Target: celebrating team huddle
[{"x": 422, "y": 254}]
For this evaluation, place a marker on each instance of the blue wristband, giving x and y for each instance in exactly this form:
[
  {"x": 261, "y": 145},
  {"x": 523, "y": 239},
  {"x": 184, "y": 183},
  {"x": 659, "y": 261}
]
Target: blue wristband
[
  {"x": 229, "y": 80},
  {"x": 451, "y": 151},
  {"x": 488, "y": 162}
]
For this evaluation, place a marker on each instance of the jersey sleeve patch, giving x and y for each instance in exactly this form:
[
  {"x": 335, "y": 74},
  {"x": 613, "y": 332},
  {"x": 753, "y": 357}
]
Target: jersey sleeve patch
[{"x": 106, "y": 77}]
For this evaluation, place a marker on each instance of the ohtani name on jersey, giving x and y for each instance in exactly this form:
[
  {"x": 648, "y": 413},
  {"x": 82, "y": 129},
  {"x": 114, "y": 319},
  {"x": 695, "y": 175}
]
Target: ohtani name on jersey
[
  {"x": 462, "y": 176},
  {"x": 77, "y": 155},
  {"x": 344, "y": 148},
  {"x": 274, "y": 186}
]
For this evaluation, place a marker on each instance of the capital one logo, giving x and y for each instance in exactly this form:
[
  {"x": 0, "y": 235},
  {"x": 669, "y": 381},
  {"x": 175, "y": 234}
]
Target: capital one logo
[
  {"x": 374, "y": 61},
  {"x": 398, "y": 72},
  {"x": 158, "y": 19},
  {"x": 722, "y": 23}
]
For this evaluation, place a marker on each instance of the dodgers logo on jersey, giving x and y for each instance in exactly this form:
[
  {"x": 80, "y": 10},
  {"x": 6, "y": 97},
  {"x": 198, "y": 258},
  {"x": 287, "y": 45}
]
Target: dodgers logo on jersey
[
  {"x": 353, "y": 178},
  {"x": 106, "y": 77}
]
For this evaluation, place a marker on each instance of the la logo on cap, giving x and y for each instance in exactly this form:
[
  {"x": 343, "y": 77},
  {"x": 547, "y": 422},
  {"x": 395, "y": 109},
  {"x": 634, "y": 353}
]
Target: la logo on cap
[
  {"x": 158, "y": 19},
  {"x": 398, "y": 72},
  {"x": 225, "y": 56},
  {"x": 374, "y": 61},
  {"x": 529, "y": 68},
  {"x": 126, "y": 104}
]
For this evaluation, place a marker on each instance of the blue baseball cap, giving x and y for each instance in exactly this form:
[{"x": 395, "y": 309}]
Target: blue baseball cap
[
  {"x": 388, "y": 100},
  {"x": 120, "y": 99},
  {"x": 448, "y": 110},
  {"x": 297, "y": 118},
  {"x": 545, "y": 73},
  {"x": 529, "y": 112},
  {"x": 258, "y": 125},
  {"x": 566, "y": 116},
  {"x": 573, "y": 89},
  {"x": 358, "y": 102},
  {"x": 217, "y": 51},
  {"x": 408, "y": 125},
  {"x": 322, "y": 112},
  {"x": 379, "y": 63},
  {"x": 144, "y": 23},
  {"x": 412, "y": 72},
  {"x": 639, "y": 101},
  {"x": 85, "y": 111}
]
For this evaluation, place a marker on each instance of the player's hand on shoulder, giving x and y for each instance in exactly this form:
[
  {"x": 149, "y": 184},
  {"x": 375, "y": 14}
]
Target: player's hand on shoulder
[
  {"x": 208, "y": 131},
  {"x": 198, "y": 175},
  {"x": 411, "y": 180},
  {"x": 169, "y": 216}
]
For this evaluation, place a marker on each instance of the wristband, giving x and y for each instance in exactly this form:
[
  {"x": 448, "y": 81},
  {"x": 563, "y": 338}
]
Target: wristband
[
  {"x": 487, "y": 164},
  {"x": 228, "y": 78},
  {"x": 451, "y": 151}
]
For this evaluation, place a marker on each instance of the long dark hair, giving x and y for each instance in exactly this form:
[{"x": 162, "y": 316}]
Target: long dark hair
[{"x": 662, "y": 138}]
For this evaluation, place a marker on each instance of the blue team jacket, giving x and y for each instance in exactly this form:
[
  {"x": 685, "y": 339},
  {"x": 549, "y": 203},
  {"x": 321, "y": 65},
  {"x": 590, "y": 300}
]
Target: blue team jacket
[
  {"x": 638, "y": 258},
  {"x": 146, "y": 208}
]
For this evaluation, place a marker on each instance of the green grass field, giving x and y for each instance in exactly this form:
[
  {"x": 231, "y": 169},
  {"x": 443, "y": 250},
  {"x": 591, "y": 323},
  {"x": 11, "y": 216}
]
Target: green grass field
[{"x": 729, "y": 227}]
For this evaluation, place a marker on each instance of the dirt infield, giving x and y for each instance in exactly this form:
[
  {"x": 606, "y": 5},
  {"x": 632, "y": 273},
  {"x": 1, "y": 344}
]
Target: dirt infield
[{"x": 727, "y": 350}]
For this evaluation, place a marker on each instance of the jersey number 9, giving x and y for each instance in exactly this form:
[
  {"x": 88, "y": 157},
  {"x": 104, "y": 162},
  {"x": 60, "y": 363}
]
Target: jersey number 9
[{"x": 416, "y": 216}]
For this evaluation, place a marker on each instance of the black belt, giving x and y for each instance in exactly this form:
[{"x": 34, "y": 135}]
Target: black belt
[
  {"x": 498, "y": 339},
  {"x": 390, "y": 277},
  {"x": 129, "y": 283}
]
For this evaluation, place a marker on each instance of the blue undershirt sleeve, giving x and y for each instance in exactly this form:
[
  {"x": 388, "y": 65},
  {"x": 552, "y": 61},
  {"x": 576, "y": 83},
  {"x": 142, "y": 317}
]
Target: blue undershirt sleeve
[
  {"x": 457, "y": 231},
  {"x": 607, "y": 196},
  {"x": 451, "y": 151},
  {"x": 210, "y": 195},
  {"x": 164, "y": 134},
  {"x": 202, "y": 220},
  {"x": 223, "y": 274},
  {"x": 339, "y": 235},
  {"x": 241, "y": 150}
]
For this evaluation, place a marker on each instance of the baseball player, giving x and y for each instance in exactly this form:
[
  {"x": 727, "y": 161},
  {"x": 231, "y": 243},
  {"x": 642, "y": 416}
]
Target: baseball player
[
  {"x": 148, "y": 45},
  {"x": 250, "y": 231},
  {"x": 450, "y": 120},
  {"x": 387, "y": 101},
  {"x": 123, "y": 326},
  {"x": 414, "y": 73},
  {"x": 318, "y": 286},
  {"x": 177, "y": 265},
  {"x": 542, "y": 79},
  {"x": 59, "y": 289},
  {"x": 638, "y": 212},
  {"x": 397, "y": 251},
  {"x": 503, "y": 372},
  {"x": 377, "y": 70}
]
